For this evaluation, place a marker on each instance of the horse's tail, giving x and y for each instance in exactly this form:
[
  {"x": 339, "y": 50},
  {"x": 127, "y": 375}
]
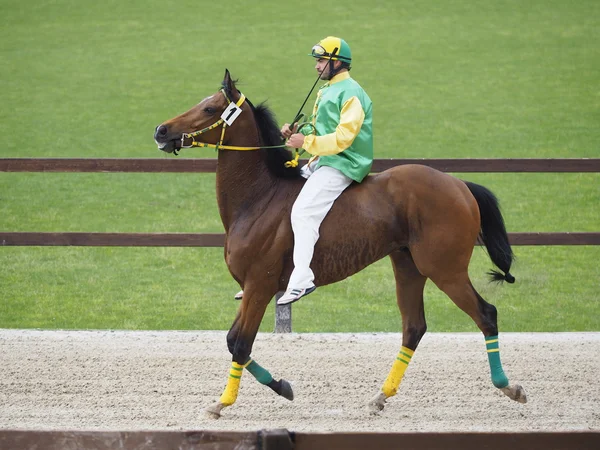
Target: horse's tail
[{"x": 493, "y": 232}]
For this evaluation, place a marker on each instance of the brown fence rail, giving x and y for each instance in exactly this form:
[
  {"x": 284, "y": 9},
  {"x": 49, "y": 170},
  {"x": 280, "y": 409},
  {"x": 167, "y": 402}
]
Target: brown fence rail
[
  {"x": 187, "y": 165},
  {"x": 182, "y": 165},
  {"x": 217, "y": 240},
  {"x": 284, "y": 440},
  {"x": 112, "y": 239}
]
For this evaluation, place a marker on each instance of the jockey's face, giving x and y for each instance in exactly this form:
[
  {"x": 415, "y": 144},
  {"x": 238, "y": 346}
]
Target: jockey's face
[{"x": 323, "y": 67}]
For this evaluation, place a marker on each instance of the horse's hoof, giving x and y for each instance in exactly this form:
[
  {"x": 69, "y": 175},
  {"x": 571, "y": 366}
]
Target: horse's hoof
[
  {"x": 377, "y": 404},
  {"x": 516, "y": 393},
  {"x": 286, "y": 390},
  {"x": 214, "y": 411}
]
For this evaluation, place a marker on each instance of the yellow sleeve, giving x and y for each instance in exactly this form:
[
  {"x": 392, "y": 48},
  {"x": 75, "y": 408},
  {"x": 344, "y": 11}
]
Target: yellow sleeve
[{"x": 351, "y": 119}]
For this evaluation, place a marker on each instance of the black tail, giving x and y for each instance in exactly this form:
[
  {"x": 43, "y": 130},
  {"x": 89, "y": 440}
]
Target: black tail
[{"x": 493, "y": 232}]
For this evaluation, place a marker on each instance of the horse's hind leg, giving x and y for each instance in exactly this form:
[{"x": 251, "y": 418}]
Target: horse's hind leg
[
  {"x": 464, "y": 295},
  {"x": 409, "y": 293}
]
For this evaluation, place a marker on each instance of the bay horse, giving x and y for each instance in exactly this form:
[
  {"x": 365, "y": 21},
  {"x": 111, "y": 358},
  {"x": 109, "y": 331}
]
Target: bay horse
[{"x": 426, "y": 221}]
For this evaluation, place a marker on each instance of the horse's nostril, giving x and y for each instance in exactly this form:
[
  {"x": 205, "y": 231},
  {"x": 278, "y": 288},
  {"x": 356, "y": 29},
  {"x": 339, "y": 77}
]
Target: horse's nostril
[{"x": 161, "y": 130}]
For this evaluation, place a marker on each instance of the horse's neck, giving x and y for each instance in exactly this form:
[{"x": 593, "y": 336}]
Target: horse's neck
[{"x": 244, "y": 183}]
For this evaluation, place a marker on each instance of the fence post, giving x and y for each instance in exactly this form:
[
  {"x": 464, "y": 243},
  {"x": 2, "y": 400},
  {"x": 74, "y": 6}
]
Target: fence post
[{"x": 283, "y": 316}]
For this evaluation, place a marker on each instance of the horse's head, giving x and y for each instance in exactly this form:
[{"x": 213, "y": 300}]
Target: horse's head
[
  {"x": 203, "y": 119},
  {"x": 228, "y": 121}
]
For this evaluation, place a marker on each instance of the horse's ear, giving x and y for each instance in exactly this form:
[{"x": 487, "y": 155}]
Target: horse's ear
[{"x": 227, "y": 81}]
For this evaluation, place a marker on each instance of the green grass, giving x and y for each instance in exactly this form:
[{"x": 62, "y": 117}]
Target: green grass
[
  {"x": 186, "y": 288},
  {"x": 455, "y": 79}
]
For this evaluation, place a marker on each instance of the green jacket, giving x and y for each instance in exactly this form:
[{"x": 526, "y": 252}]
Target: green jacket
[{"x": 343, "y": 121}]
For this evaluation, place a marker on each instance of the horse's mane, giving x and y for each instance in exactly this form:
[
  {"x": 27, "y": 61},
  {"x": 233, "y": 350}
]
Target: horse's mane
[{"x": 270, "y": 135}]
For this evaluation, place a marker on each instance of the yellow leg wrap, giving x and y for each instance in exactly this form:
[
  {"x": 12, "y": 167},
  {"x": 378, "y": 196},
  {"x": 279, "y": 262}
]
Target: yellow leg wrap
[
  {"x": 392, "y": 382},
  {"x": 230, "y": 393}
]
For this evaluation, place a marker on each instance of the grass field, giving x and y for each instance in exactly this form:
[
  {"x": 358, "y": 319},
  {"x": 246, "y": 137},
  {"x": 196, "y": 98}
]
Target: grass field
[{"x": 454, "y": 79}]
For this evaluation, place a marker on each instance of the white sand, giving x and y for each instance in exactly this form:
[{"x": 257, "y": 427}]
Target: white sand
[{"x": 116, "y": 380}]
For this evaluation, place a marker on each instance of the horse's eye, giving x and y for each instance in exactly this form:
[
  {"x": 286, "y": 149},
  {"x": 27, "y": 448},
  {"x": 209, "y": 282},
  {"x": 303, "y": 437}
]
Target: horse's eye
[{"x": 209, "y": 110}]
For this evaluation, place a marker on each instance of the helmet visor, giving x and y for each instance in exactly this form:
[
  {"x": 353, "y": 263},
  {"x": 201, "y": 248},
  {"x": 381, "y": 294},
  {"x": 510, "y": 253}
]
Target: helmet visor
[{"x": 319, "y": 52}]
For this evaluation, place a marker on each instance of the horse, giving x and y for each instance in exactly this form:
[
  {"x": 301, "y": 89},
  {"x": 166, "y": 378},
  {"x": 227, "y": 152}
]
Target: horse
[{"x": 426, "y": 221}]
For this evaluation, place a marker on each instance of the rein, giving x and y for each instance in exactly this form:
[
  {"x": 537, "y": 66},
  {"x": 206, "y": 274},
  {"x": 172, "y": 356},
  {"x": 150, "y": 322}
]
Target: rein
[{"x": 223, "y": 122}]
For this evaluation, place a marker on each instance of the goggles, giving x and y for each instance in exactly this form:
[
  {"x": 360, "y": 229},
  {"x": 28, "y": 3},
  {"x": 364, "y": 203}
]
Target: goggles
[{"x": 318, "y": 51}]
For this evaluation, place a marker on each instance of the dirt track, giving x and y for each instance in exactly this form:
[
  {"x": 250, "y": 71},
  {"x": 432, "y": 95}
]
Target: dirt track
[{"x": 103, "y": 380}]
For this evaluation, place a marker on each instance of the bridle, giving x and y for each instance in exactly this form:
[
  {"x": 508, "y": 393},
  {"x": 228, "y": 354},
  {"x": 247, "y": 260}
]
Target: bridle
[
  {"x": 219, "y": 145},
  {"x": 221, "y": 122}
]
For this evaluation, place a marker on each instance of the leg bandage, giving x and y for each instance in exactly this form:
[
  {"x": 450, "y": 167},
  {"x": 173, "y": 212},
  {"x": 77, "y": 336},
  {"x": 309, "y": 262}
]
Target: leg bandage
[
  {"x": 493, "y": 351},
  {"x": 261, "y": 374},
  {"x": 230, "y": 393},
  {"x": 392, "y": 382}
]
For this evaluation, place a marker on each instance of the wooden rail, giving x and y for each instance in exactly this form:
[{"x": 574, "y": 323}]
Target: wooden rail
[
  {"x": 112, "y": 239},
  {"x": 75, "y": 239},
  {"x": 183, "y": 165},
  {"x": 189, "y": 165},
  {"x": 282, "y": 439}
]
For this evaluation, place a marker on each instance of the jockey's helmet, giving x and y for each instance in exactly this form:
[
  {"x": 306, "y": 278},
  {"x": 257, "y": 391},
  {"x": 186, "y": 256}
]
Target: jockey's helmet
[{"x": 332, "y": 48}]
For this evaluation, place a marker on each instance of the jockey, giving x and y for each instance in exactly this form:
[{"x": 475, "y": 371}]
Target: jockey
[{"x": 342, "y": 149}]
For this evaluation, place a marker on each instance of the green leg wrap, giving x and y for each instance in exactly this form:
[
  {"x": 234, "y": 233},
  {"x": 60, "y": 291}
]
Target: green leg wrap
[
  {"x": 261, "y": 374},
  {"x": 499, "y": 379}
]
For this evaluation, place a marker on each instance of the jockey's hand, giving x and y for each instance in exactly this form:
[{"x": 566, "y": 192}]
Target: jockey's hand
[
  {"x": 286, "y": 131},
  {"x": 295, "y": 141}
]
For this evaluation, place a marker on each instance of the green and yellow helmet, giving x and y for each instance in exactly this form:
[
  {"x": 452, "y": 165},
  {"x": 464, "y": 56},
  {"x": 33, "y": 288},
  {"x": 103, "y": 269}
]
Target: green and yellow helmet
[{"x": 333, "y": 48}]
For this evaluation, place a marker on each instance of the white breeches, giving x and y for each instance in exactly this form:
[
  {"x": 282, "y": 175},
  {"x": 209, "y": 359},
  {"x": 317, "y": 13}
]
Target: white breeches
[{"x": 315, "y": 200}]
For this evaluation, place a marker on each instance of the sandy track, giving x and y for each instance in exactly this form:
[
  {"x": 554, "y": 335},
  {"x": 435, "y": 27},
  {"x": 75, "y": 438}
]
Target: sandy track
[{"x": 103, "y": 380}]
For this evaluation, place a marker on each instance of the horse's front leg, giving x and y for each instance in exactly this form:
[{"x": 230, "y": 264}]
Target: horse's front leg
[{"x": 240, "y": 340}]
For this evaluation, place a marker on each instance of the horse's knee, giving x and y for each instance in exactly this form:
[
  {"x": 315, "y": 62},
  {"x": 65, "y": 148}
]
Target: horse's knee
[
  {"x": 413, "y": 335},
  {"x": 239, "y": 347},
  {"x": 241, "y": 351},
  {"x": 231, "y": 339}
]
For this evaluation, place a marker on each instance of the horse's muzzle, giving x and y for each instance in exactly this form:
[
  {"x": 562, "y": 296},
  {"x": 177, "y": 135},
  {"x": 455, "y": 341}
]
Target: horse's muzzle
[{"x": 165, "y": 140}]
